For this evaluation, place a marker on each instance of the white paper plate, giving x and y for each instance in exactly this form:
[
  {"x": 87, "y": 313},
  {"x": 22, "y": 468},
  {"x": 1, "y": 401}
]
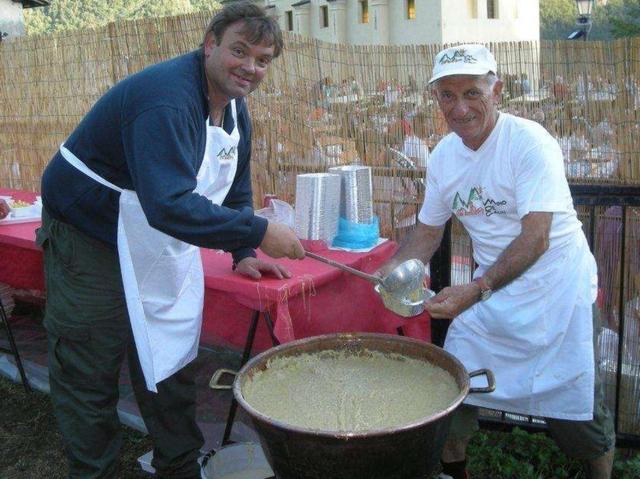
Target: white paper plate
[
  {"x": 34, "y": 214},
  {"x": 14, "y": 221},
  {"x": 238, "y": 461}
]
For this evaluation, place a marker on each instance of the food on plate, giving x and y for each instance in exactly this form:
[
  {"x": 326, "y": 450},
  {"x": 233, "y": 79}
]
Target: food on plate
[
  {"x": 19, "y": 204},
  {"x": 21, "y": 209},
  {"x": 340, "y": 391}
]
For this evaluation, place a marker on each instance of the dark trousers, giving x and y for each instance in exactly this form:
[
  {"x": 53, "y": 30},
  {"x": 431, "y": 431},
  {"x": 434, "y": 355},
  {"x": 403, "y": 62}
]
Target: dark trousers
[{"x": 89, "y": 334}]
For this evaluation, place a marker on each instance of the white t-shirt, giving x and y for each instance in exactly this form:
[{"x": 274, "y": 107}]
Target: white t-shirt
[{"x": 517, "y": 170}]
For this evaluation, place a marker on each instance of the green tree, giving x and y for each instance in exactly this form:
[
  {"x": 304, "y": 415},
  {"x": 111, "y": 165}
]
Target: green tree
[
  {"x": 601, "y": 29},
  {"x": 66, "y": 15},
  {"x": 557, "y": 19},
  {"x": 624, "y": 18},
  {"x": 204, "y": 5},
  {"x": 618, "y": 18}
]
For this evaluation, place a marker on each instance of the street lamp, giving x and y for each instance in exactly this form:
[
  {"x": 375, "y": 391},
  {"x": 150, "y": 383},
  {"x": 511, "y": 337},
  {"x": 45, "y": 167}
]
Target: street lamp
[
  {"x": 584, "y": 7},
  {"x": 584, "y": 27},
  {"x": 584, "y": 19}
]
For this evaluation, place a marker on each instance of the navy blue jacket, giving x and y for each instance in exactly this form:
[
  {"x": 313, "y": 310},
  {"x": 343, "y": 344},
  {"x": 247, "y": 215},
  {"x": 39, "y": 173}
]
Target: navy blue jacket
[{"x": 148, "y": 134}]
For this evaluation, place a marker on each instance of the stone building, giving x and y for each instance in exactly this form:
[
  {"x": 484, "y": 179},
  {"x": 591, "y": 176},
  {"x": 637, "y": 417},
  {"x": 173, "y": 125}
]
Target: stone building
[
  {"x": 403, "y": 22},
  {"x": 12, "y": 18}
]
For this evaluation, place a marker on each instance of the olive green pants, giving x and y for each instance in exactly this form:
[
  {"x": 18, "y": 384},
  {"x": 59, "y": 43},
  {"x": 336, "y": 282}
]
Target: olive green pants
[
  {"x": 89, "y": 335},
  {"x": 582, "y": 440}
]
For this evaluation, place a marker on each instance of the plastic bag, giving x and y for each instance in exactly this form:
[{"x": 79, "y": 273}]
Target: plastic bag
[
  {"x": 279, "y": 211},
  {"x": 357, "y": 235}
]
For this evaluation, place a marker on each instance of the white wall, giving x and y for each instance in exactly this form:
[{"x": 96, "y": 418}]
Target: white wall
[
  {"x": 360, "y": 33},
  {"x": 518, "y": 20},
  {"x": 11, "y": 18},
  {"x": 327, "y": 34},
  {"x": 437, "y": 21},
  {"x": 426, "y": 28}
]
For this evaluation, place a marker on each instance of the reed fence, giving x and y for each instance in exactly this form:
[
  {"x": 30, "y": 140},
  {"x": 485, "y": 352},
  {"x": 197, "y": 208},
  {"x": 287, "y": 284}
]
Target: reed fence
[{"x": 328, "y": 104}]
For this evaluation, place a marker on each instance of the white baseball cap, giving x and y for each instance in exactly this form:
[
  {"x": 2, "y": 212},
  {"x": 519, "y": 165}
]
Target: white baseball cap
[{"x": 472, "y": 59}]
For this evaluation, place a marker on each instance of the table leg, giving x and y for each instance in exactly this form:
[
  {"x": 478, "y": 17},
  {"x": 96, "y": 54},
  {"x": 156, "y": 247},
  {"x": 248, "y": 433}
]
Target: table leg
[
  {"x": 248, "y": 345},
  {"x": 13, "y": 348},
  {"x": 267, "y": 319}
]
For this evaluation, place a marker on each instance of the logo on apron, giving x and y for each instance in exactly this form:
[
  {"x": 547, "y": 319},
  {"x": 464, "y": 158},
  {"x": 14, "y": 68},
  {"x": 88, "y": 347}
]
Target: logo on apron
[{"x": 227, "y": 154}]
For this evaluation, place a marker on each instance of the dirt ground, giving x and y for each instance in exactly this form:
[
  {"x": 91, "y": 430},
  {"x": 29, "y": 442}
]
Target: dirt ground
[{"x": 32, "y": 446}]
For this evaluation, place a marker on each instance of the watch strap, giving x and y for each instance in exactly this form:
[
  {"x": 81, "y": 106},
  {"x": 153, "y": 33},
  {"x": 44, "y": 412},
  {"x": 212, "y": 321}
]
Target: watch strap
[
  {"x": 485, "y": 289},
  {"x": 483, "y": 284}
]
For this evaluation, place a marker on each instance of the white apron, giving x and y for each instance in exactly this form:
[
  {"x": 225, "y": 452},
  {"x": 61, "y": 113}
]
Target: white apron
[
  {"x": 162, "y": 276},
  {"x": 536, "y": 335}
]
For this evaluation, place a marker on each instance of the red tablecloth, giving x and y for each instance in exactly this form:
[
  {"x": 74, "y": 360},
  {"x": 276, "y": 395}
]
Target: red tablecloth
[
  {"x": 318, "y": 299},
  {"x": 20, "y": 258}
]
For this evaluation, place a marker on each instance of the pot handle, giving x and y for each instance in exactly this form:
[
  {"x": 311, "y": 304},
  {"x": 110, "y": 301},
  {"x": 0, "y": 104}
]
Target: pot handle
[
  {"x": 491, "y": 381},
  {"x": 214, "y": 383}
]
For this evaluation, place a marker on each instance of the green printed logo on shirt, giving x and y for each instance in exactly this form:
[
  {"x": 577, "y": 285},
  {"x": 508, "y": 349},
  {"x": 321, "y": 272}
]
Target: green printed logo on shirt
[{"x": 477, "y": 205}]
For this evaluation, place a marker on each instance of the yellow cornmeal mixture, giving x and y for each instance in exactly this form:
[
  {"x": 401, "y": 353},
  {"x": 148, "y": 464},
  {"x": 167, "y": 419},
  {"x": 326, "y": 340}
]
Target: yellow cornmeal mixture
[
  {"x": 411, "y": 297},
  {"x": 343, "y": 392}
]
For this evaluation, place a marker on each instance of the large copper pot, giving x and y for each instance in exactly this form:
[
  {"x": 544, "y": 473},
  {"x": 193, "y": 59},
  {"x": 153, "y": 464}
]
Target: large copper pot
[{"x": 407, "y": 452}]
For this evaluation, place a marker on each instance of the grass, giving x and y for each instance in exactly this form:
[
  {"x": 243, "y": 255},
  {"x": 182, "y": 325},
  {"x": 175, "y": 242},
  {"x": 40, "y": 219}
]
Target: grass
[
  {"x": 522, "y": 455},
  {"x": 32, "y": 447}
]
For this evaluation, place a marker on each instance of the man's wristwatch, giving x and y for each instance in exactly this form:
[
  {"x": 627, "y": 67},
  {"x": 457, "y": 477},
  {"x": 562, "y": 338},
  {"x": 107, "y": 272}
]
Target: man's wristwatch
[{"x": 485, "y": 289}]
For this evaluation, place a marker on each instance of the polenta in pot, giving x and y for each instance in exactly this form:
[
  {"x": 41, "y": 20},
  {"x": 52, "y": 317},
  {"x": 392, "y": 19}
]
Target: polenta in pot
[{"x": 343, "y": 392}]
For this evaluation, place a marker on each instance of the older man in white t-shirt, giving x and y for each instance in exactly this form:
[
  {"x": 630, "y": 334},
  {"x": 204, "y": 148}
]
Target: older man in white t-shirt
[{"x": 527, "y": 314}]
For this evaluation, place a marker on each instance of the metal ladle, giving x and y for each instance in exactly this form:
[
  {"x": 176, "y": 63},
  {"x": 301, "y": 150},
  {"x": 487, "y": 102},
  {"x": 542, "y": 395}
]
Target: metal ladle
[
  {"x": 344, "y": 267},
  {"x": 402, "y": 290}
]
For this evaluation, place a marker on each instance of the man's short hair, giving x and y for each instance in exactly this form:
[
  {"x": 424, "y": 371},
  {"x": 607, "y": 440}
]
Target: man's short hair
[
  {"x": 259, "y": 27},
  {"x": 490, "y": 78}
]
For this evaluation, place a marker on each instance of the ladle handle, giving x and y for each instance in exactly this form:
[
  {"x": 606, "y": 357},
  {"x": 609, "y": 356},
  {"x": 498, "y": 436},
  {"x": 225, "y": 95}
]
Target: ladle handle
[{"x": 344, "y": 267}]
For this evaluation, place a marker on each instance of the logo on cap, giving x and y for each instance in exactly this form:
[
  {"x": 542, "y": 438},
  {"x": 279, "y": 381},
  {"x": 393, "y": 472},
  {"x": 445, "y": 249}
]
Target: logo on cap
[{"x": 460, "y": 55}]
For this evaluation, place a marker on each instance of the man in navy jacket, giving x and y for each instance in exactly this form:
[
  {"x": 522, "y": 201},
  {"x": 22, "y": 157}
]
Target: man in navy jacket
[{"x": 148, "y": 135}]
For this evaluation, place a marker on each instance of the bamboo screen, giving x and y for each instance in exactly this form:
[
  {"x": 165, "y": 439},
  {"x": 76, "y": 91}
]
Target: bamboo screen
[
  {"x": 616, "y": 246},
  {"x": 327, "y": 104}
]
